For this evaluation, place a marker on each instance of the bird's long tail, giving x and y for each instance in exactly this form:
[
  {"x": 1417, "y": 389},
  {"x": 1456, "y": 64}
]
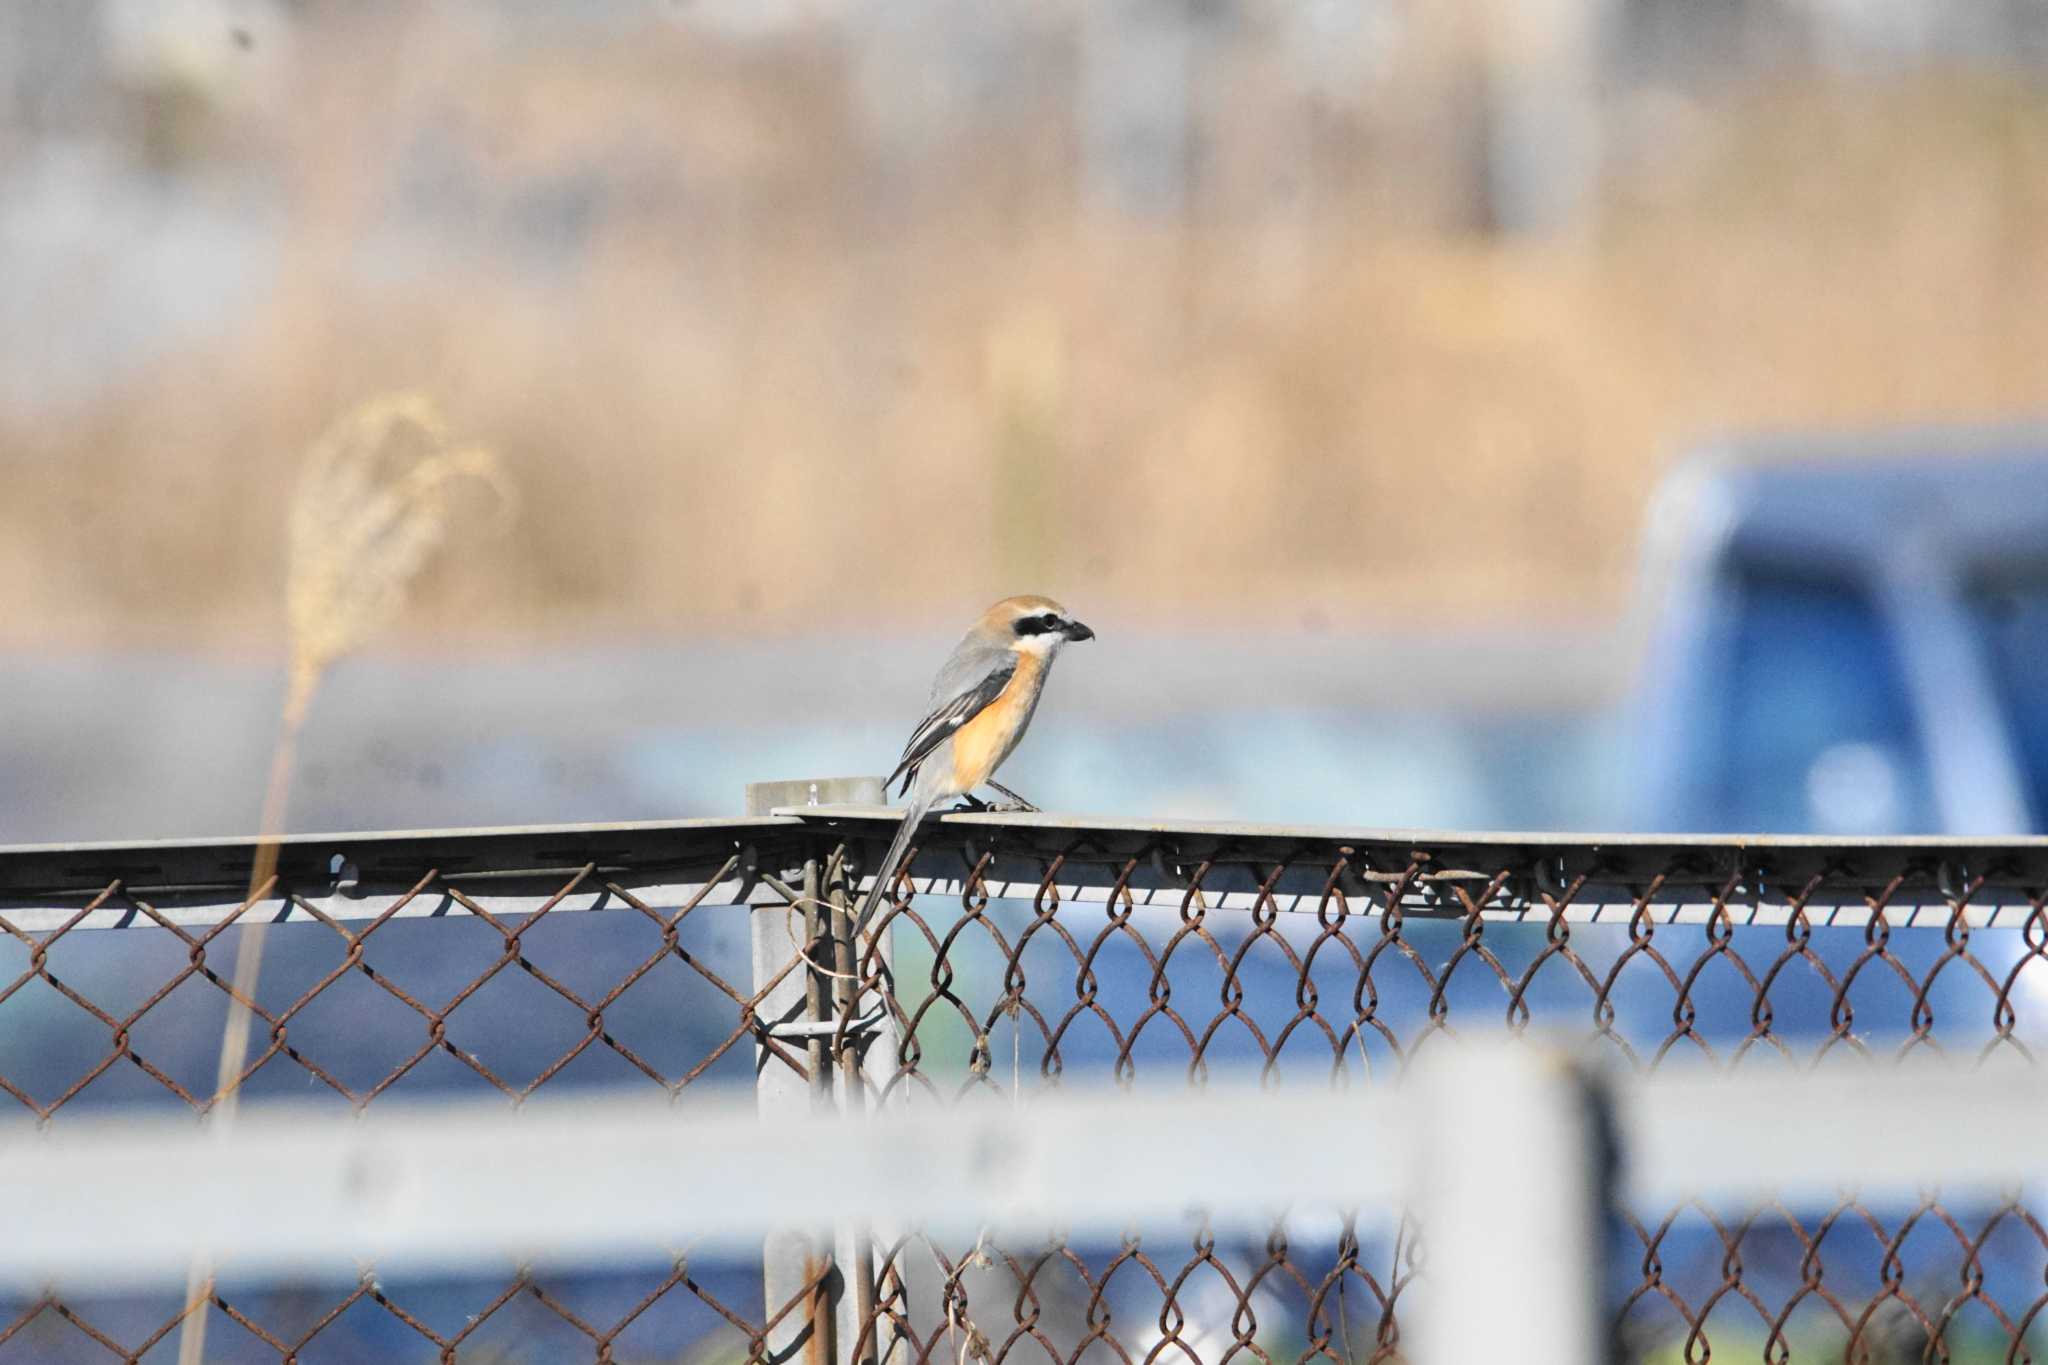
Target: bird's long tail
[{"x": 885, "y": 871}]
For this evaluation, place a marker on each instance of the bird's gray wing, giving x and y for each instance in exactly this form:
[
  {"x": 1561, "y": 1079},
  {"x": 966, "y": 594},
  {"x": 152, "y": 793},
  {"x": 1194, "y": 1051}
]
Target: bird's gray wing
[
  {"x": 949, "y": 715},
  {"x": 972, "y": 660}
]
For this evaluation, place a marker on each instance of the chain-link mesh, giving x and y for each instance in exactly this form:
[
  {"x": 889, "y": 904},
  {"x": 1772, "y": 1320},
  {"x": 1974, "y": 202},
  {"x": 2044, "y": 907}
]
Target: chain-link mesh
[{"x": 1037, "y": 953}]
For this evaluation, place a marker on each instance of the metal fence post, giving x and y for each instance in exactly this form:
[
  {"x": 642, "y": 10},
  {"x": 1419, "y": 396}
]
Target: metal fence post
[
  {"x": 806, "y": 1003},
  {"x": 866, "y": 1063}
]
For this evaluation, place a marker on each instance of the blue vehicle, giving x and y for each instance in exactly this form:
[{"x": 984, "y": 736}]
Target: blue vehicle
[{"x": 1847, "y": 642}]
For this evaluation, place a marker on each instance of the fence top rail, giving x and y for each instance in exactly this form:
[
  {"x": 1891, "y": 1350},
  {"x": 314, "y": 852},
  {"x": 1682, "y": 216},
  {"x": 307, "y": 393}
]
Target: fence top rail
[
  {"x": 174, "y": 865},
  {"x": 1229, "y": 865},
  {"x": 1916, "y": 880},
  {"x": 1399, "y": 844}
]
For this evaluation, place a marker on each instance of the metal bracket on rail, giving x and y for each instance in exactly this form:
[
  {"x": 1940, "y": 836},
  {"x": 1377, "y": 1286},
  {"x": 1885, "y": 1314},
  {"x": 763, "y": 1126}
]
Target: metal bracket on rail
[{"x": 822, "y": 1028}]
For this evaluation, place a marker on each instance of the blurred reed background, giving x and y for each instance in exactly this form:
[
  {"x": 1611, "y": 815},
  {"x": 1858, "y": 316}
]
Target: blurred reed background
[{"x": 795, "y": 317}]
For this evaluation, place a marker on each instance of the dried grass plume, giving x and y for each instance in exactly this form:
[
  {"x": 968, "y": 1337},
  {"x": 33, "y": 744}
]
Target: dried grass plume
[{"x": 372, "y": 504}]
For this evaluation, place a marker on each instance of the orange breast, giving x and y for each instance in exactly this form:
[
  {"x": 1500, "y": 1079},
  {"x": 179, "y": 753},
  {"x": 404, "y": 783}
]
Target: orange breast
[{"x": 981, "y": 745}]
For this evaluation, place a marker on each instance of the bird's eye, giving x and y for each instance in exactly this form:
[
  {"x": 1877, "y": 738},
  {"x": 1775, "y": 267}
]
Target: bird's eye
[{"x": 1036, "y": 625}]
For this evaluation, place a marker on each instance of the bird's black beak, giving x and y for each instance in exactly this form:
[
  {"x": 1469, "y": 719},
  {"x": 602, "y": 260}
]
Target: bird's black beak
[{"x": 1076, "y": 631}]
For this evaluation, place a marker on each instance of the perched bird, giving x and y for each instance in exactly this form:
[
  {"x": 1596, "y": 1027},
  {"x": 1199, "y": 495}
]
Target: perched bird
[{"x": 982, "y": 701}]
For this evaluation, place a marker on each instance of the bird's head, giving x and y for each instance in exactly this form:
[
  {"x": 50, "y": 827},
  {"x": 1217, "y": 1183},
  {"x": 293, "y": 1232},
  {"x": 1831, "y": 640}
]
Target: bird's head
[{"x": 1033, "y": 625}]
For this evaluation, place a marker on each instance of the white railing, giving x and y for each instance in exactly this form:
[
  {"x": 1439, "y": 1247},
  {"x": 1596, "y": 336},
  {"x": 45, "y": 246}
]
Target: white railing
[{"x": 1500, "y": 1150}]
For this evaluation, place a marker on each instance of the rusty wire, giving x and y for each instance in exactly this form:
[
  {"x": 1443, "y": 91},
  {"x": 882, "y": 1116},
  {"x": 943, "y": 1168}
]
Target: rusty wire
[{"x": 1344, "y": 983}]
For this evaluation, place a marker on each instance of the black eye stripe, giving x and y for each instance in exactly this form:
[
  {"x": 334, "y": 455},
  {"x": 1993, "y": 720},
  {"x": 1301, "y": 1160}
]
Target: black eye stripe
[{"x": 1037, "y": 625}]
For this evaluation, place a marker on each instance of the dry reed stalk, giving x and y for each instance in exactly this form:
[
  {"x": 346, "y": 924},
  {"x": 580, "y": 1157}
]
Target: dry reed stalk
[{"x": 371, "y": 505}]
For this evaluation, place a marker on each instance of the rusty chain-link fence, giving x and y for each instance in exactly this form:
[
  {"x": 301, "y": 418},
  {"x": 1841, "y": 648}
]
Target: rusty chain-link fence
[{"x": 1037, "y": 952}]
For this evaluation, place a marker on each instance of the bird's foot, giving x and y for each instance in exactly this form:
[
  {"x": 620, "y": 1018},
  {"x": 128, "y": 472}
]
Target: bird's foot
[
  {"x": 972, "y": 804},
  {"x": 1012, "y": 803}
]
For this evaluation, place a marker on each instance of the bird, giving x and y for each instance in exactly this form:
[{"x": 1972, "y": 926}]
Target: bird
[{"x": 982, "y": 702}]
